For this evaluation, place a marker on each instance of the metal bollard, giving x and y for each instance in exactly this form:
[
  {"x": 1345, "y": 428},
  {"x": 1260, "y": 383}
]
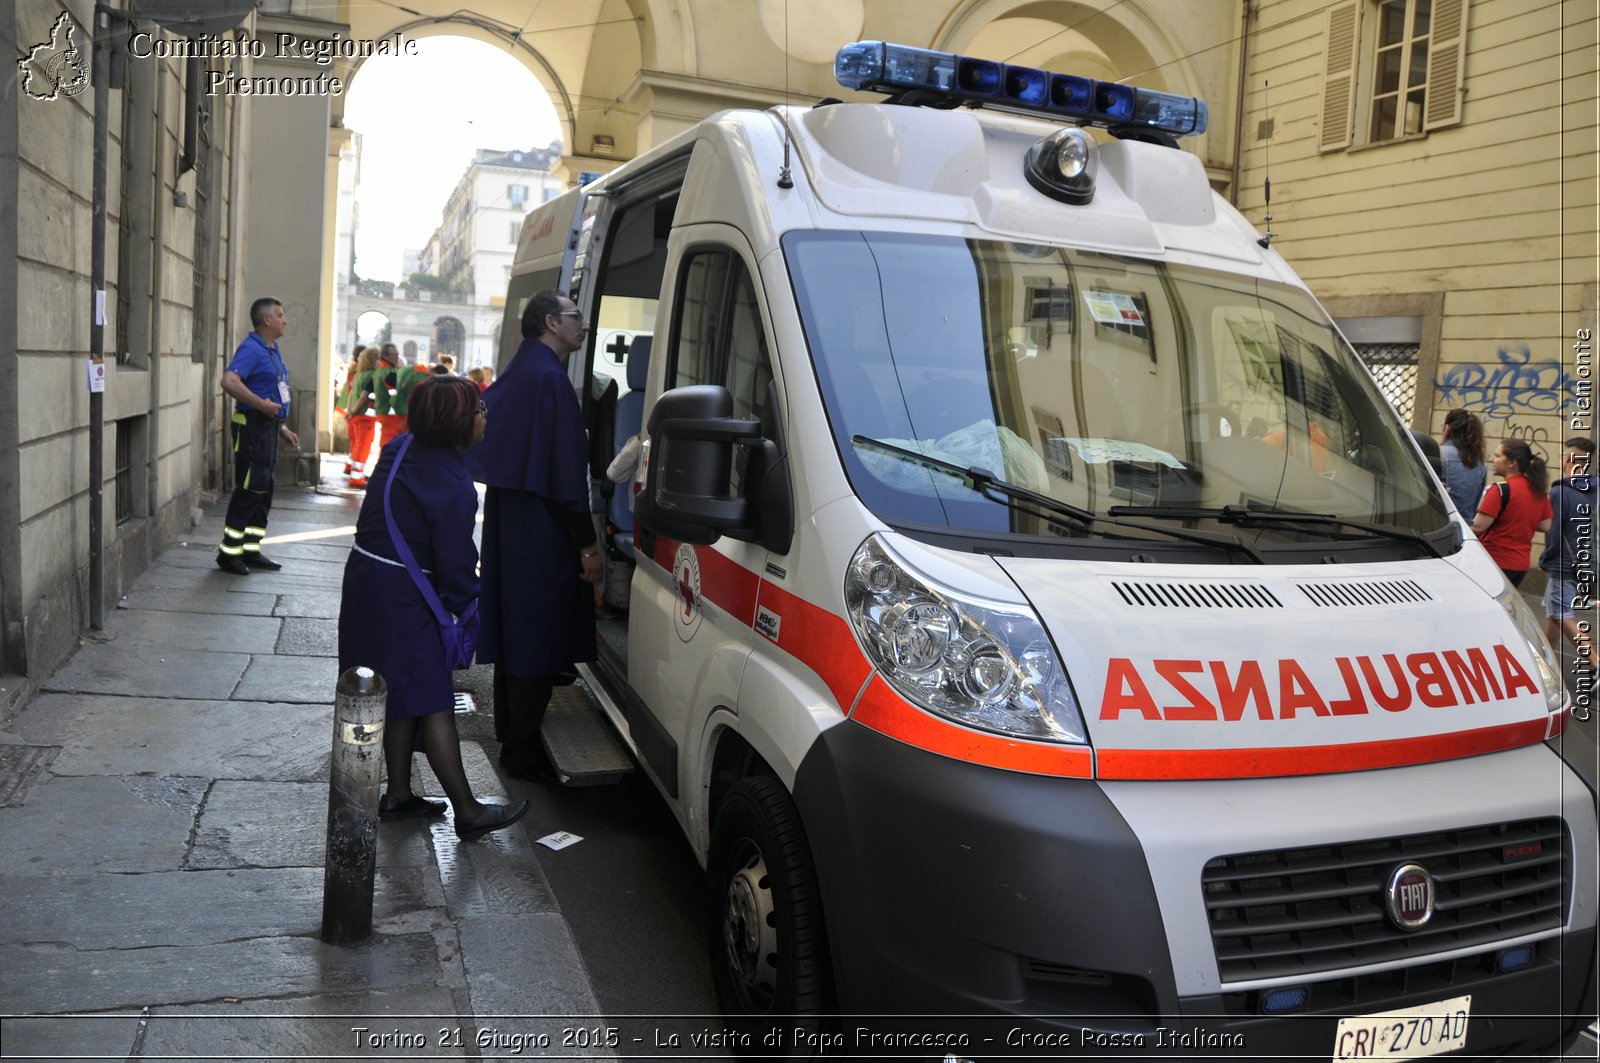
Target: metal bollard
[{"x": 351, "y": 855}]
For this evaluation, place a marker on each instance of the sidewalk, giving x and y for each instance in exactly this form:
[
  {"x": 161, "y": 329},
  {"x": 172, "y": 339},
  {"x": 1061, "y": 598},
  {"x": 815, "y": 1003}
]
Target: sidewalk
[{"x": 163, "y": 803}]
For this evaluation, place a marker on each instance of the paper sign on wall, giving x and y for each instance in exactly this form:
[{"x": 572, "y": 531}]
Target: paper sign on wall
[
  {"x": 97, "y": 374},
  {"x": 1112, "y": 308}
]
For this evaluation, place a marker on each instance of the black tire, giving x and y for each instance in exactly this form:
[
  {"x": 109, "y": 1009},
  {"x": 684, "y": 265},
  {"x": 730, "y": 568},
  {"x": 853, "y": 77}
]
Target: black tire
[{"x": 769, "y": 956}]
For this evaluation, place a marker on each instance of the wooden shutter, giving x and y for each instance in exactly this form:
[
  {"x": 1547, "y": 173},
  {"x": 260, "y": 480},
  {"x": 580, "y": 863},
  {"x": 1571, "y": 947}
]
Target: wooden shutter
[
  {"x": 1447, "y": 52},
  {"x": 1339, "y": 77}
]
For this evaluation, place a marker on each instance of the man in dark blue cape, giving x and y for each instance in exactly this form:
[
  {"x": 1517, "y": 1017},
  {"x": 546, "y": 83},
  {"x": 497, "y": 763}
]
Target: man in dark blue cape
[{"x": 540, "y": 557}]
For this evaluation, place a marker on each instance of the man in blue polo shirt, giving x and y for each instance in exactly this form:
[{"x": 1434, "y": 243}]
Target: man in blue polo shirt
[{"x": 258, "y": 381}]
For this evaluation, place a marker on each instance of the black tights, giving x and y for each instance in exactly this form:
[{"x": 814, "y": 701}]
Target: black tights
[{"x": 442, "y": 746}]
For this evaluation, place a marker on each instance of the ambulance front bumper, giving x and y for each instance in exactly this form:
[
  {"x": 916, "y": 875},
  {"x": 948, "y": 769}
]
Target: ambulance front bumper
[{"x": 1028, "y": 905}]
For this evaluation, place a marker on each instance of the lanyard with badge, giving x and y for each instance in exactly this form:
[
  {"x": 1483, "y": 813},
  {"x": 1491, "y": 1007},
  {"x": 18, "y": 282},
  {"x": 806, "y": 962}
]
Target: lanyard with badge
[{"x": 282, "y": 372}]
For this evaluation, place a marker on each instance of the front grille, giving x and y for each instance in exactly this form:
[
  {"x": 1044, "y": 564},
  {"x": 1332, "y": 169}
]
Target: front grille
[
  {"x": 1167, "y": 595},
  {"x": 1300, "y": 911}
]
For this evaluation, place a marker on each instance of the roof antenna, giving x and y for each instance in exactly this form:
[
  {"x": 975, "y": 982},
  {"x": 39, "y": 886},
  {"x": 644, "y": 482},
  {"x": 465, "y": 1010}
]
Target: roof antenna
[
  {"x": 784, "y": 180},
  {"x": 1266, "y": 167}
]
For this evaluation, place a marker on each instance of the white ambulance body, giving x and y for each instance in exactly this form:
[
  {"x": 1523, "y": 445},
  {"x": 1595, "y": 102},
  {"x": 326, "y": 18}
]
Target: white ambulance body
[{"x": 1038, "y": 612}]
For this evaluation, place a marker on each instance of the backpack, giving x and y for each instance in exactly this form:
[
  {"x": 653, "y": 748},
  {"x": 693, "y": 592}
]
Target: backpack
[{"x": 1505, "y": 500}]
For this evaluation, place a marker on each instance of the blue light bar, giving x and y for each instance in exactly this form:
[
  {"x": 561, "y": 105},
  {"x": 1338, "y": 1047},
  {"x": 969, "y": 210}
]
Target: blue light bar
[
  {"x": 878, "y": 66},
  {"x": 893, "y": 68},
  {"x": 1182, "y": 115}
]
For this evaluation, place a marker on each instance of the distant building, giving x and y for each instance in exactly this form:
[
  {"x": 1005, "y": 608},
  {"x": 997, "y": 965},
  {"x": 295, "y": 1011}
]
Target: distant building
[{"x": 483, "y": 217}]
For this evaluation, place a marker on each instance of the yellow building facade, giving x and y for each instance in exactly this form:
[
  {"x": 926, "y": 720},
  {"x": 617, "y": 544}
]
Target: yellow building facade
[{"x": 1432, "y": 166}]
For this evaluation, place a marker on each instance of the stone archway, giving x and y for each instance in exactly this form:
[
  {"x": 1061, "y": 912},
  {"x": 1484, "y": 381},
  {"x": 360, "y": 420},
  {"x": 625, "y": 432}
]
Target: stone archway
[
  {"x": 373, "y": 329},
  {"x": 449, "y": 337},
  {"x": 582, "y": 52}
]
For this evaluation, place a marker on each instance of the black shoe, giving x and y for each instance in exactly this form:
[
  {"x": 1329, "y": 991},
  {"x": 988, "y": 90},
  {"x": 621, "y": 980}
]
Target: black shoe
[
  {"x": 261, "y": 561},
  {"x": 524, "y": 771},
  {"x": 231, "y": 564},
  {"x": 415, "y": 808},
  {"x": 494, "y": 817}
]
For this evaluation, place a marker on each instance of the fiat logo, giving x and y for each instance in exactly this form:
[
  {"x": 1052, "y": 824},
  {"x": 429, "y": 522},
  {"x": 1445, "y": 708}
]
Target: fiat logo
[{"x": 1409, "y": 897}]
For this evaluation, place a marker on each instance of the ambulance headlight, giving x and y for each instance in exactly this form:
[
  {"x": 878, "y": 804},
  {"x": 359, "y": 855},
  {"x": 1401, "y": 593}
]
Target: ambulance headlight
[
  {"x": 1064, "y": 165},
  {"x": 1544, "y": 658},
  {"x": 982, "y": 664}
]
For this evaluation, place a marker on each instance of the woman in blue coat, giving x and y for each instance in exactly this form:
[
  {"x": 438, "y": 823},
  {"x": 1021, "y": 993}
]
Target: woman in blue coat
[{"x": 386, "y": 624}]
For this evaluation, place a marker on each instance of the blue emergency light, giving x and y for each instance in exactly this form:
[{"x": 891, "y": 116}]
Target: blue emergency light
[{"x": 877, "y": 66}]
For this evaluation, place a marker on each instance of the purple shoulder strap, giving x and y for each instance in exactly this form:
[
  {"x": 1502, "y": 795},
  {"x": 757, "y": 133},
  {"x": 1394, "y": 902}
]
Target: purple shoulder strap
[{"x": 404, "y": 551}]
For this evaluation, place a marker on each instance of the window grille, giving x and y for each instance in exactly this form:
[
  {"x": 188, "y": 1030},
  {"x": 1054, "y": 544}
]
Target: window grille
[
  {"x": 124, "y": 468},
  {"x": 1394, "y": 367}
]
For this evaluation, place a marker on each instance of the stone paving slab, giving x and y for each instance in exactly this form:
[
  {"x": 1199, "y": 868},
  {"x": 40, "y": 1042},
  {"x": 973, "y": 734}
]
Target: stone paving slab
[
  {"x": 278, "y": 824},
  {"x": 118, "y": 668},
  {"x": 189, "y": 908},
  {"x": 496, "y": 875},
  {"x": 298, "y": 680},
  {"x": 129, "y": 824},
  {"x": 152, "y": 630},
  {"x": 322, "y": 605},
  {"x": 294, "y": 578},
  {"x": 184, "y": 577},
  {"x": 82, "y": 1036},
  {"x": 45, "y": 979},
  {"x": 524, "y": 965},
  {"x": 316, "y": 1028},
  {"x": 218, "y": 599},
  {"x": 308, "y": 637},
  {"x": 119, "y": 735}
]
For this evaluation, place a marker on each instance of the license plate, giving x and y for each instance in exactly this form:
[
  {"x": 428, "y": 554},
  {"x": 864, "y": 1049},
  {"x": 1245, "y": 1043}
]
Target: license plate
[{"x": 1408, "y": 1033}]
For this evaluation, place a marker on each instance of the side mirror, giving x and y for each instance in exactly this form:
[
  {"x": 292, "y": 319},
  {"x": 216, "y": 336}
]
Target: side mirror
[{"x": 692, "y": 436}]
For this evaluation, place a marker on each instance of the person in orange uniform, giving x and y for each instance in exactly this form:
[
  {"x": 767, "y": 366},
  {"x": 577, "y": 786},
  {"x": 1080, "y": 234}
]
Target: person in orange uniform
[
  {"x": 392, "y": 385},
  {"x": 361, "y": 416},
  {"x": 339, "y": 399}
]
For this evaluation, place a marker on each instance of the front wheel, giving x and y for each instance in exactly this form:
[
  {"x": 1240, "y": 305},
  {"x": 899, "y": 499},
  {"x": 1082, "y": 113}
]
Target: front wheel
[{"x": 768, "y": 949}]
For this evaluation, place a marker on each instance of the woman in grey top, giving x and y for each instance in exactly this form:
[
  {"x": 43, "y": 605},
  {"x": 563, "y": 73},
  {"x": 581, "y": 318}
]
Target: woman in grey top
[{"x": 1465, "y": 474}]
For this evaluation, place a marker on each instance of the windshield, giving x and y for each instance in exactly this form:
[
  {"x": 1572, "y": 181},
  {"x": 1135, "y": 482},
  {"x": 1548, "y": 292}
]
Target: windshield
[{"x": 1114, "y": 385}]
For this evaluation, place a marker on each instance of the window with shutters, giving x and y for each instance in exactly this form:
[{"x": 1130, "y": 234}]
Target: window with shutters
[{"x": 1393, "y": 70}]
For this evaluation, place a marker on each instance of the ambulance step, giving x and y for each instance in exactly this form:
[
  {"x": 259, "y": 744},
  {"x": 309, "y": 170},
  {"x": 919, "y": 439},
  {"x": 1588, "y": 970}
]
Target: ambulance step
[{"x": 581, "y": 741}]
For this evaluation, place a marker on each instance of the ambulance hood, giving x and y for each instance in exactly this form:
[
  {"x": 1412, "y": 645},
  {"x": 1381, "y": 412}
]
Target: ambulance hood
[{"x": 1182, "y": 672}]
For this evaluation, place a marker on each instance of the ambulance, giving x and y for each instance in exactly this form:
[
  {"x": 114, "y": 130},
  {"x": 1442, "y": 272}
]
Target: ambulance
[{"x": 1037, "y": 620}]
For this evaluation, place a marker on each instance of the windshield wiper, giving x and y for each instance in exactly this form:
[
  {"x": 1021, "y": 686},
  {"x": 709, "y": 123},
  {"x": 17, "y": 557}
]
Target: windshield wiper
[
  {"x": 1243, "y": 515},
  {"x": 983, "y": 481}
]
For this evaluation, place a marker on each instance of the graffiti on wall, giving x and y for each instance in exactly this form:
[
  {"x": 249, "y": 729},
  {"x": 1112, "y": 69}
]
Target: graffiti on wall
[{"x": 1516, "y": 396}]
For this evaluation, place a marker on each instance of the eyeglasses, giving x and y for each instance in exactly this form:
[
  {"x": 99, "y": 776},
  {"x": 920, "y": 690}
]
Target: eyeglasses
[
  {"x": 576, "y": 315},
  {"x": 483, "y": 407}
]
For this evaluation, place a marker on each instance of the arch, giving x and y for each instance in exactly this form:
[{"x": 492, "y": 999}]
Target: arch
[
  {"x": 666, "y": 35},
  {"x": 1138, "y": 45},
  {"x": 462, "y": 24},
  {"x": 615, "y": 58},
  {"x": 449, "y": 336},
  {"x": 368, "y": 332}
]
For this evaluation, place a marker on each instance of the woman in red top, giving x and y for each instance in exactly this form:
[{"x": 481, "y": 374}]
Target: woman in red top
[{"x": 1507, "y": 533}]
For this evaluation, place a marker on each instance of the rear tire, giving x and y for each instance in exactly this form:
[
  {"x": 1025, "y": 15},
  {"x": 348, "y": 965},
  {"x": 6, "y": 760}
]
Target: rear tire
[{"x": 764, "y": 917}]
